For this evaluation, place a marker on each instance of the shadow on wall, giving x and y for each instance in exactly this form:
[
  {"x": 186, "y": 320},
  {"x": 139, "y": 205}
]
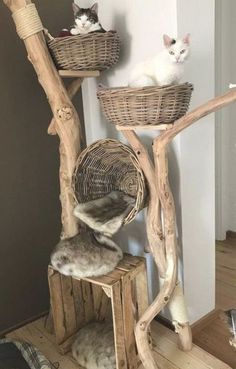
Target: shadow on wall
[
  {"x": 120, "y": 25},
  {"x": 174, "y": 178},
  {"x": 29, "y": 186}
]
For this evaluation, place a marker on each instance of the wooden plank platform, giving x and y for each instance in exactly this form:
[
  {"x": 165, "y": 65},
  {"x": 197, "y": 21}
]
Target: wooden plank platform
[
  {"x": 158, "y": 127},
  {"x": 78, "y": 73},
  {"x": 167, "y": 355},
  {"x": 214, "y": 337},
  {"x": 76, "y": 302},
  {"x": 226, "y": 274},
  {"x": 211, "y": 333}
]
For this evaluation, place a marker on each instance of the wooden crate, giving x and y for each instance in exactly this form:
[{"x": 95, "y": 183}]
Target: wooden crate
[{"x": 121, "y": 294}]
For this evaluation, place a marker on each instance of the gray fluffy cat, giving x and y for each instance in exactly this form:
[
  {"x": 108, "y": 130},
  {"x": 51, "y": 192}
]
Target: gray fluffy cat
[
  {"x": 94, "y": 347},
  {"x": 92, "y": 252}
]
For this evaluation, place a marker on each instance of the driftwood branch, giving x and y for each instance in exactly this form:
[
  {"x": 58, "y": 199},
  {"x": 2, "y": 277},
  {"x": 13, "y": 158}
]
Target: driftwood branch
[
  {"x": 153, "y": 220},
  {"x": 72, "y": 90},
  {"x": 67, "y": 122},
  {"x": 196, "y": 114},
  {"x": 169, "y": 281}
]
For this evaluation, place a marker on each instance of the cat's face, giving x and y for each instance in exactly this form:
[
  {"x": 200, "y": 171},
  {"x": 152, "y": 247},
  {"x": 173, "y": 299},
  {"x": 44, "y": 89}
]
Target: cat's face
[
  {"x": 178, "y": 50},
  {"x": 85, "y": 18}
]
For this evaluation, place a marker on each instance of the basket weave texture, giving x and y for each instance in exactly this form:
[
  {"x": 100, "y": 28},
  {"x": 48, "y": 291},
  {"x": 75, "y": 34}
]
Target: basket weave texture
[
  {"x": 109, "y": 165},
  {"x": 145, "y": 106},
  {"x": 93, "y": 51}
]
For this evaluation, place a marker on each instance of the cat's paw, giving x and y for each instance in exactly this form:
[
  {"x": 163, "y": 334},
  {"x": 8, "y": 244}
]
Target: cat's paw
[{"x": 74, "y": 31}]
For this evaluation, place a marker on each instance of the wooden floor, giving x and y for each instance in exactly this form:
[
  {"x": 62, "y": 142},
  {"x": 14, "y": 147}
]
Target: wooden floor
[
  {"x": 167, "y": 355},
  {"x": 226, "y": 274},
  {"x": 214, "y": 336}
]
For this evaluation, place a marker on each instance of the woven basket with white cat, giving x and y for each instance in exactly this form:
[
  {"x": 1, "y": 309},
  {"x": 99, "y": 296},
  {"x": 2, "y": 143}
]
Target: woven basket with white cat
[
  {"x": 108, "y": 165},
  {"x": 92, "y": 51},
  {"x": 132, "y": 106}
]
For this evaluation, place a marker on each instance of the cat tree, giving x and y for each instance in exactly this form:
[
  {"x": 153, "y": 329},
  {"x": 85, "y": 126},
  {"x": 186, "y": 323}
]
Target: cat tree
[{"x": 161, "y": 234}]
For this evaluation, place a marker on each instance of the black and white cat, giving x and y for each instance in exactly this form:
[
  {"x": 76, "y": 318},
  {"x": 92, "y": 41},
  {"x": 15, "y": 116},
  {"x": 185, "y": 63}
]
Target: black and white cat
[
  {"x": 86, "y": 20},
  {"x": 165, "y": 68}
]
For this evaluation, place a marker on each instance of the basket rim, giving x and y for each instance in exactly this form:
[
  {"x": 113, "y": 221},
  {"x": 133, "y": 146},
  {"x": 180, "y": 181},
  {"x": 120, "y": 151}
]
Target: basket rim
[
  {"x": 147, "y": 90},
  {"x": 82, "y": 37}
]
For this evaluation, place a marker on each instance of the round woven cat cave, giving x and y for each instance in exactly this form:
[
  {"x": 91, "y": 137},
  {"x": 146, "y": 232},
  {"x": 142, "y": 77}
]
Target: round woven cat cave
[
  {"x": 93, "y": 51},
  {"x": 105, "y": 166},
  {"x": 126, "y": 106}
]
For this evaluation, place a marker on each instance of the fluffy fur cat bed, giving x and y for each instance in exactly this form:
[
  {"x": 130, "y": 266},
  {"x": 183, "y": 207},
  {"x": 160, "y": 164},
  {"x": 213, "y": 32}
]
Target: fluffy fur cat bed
[
  {"x": 106, "y": 215},
  {"x": 94, "y": 347},
  {"x": 92, "y": 252},
  {"x": 108, "y": 165},
  {"x": 86, "y": 255}
]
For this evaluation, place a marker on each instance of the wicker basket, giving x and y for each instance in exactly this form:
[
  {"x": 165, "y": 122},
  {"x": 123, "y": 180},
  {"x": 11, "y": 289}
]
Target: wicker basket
[
  {"x": 93, "y": 51},
  {"x": 109, "y": 165},
  {"x": 145, "y": 106}
]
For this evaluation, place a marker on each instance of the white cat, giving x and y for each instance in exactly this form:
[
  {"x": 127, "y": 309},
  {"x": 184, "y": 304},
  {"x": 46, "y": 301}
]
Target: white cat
[{"x": 164, "y": 69}]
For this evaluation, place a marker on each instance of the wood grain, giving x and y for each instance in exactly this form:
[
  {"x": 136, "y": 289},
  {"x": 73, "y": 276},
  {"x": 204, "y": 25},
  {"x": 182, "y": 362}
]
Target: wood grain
[
  {"x": 56, "y": 301},
  {"x": 121, "y": 362},
  {"x": 68, "y": 305},
  {"x": 78, "y": 73},
  {"x": 166, "y": 353},
  {"x": 78, "y": 302},
  {"x": 158, "y": 127},
  {"x": 129, "y": 321}
]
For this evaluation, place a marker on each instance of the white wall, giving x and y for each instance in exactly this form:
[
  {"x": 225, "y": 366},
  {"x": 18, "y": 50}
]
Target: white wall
[
  {"x": 197, "y": 162},
  {"x": 192, "y": 154},
  {"x": 226, "y": 128},
  {"x": 127, "y": 17}
]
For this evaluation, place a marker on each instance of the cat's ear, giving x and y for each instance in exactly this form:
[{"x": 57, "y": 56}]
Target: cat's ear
[
  {"x": 94, "y": 8},
  {"x": 168, "y": 41},
  {"x": 75, "y": 8},
  {"x": 186, "y": 39}
]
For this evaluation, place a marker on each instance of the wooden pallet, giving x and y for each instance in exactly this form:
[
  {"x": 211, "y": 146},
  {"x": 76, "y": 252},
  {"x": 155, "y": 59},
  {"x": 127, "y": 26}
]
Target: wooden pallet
[
  {"x": 122, "y": 294},
  {"x": 165, "y": 350}
]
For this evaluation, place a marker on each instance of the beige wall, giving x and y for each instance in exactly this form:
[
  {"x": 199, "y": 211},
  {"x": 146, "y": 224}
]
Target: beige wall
[{"x": 30, "y": 209}]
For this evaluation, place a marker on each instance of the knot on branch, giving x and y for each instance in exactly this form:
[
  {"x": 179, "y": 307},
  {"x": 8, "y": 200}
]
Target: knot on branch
[
  {"x": 232, "y": 342},
  {"x": 166, "y": 299},
  {"x": 143, "y": 325},
  {"x": 177, "y": 326},
  {"x": 161, "y": 236},
  {"x": 65, "y": 113}
]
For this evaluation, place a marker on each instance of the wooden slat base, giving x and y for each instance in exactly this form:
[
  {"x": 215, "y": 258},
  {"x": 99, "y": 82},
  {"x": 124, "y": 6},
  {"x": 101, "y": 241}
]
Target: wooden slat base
[
  {"x": 121, "y": 294},
  {"x": 78, "y": 73},
  {"x": 166, "y": 353},
  {"x": 158, "y": 127}
]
